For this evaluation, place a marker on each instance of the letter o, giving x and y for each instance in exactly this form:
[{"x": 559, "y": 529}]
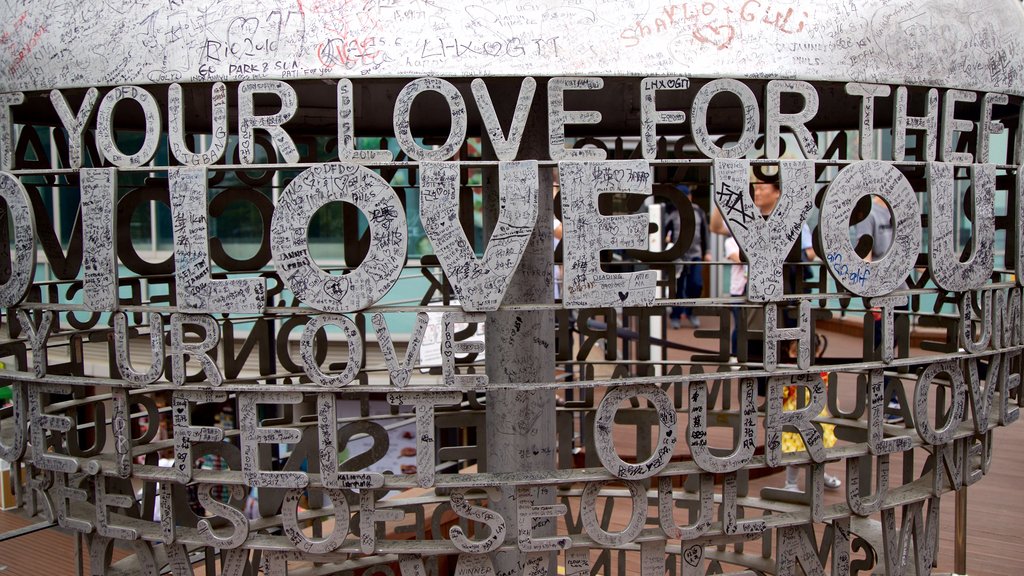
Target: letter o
[
  {"x": 958, "y": 400},
  {"x": 307, "y": 351},
  {"x": 403, "y": 130},
  {"x": 662, "y": 451},
  {"x": 23, "y": 264},
  {"x": 699, "y": 119},
  {"x": 588, "y": 512},
  {"x": 105, "y": 126},
  {"x": 857, "y": 180},
  {"x": 315, "y": 187}
]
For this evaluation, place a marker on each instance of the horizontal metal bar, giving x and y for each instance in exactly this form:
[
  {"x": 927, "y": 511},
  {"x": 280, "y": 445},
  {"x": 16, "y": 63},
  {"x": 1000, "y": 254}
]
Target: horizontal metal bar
[
  {"x": 298, "y": 167},
  {"x": 26, "y": 530}
]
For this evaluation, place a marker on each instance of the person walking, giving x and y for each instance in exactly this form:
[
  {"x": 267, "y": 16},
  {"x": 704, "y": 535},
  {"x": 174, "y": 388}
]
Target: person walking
[{"x": 689, "y": 272}]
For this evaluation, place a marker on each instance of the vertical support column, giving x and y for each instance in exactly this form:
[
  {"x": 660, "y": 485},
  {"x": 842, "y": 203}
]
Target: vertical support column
[
  {"x": 521, "y": 345},
  {"x": 959, "y": 531}
]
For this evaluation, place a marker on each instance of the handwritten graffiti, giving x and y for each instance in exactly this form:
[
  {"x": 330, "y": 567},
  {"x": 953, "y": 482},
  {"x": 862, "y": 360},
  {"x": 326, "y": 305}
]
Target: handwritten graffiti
[
  {"x": 716, "y": 23},
  {"x": 854, "y": 274},
  {"x": 349, "y": 53}
]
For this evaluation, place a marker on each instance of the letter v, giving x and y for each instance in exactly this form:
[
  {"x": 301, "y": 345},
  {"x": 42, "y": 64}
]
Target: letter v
[
  {"x": 399, "y": 373},
  {"x": 479, "y": 284},
  {"x": 504, "y": 148}
]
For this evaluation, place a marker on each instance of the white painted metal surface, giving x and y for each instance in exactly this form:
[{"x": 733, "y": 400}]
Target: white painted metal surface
[{"x": 953, "y": 43}]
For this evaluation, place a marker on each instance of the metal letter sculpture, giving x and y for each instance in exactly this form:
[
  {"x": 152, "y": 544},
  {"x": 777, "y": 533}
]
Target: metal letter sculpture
[{"x": 409, "y": 375}]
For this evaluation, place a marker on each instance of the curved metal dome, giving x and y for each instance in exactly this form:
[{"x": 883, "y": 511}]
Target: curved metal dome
[{"x": 951, "y": 43}]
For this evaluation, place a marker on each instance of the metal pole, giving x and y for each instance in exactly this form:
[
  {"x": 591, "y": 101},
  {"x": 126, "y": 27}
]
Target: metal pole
[
  {"x": 520, "y": 346},
  {"x": 960, "y": 533},
  {"x": 79, "y": 568}
]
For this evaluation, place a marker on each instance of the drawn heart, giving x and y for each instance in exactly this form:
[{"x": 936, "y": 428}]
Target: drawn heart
[
  {"x": 718, "y": 36},
  {"x": 623, "y": 296},
  {"x": 692, "y": 555}
]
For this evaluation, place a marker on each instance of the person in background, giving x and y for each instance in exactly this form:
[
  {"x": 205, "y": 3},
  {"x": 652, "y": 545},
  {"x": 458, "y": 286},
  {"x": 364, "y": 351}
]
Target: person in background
[
  {"x": 766, "y": 196},
  {"x": 556, "y": 236},
  {"x": 737, "y": 285},
  {"x": 689, "y": 273},
  {"x": 793, "y": 442}
]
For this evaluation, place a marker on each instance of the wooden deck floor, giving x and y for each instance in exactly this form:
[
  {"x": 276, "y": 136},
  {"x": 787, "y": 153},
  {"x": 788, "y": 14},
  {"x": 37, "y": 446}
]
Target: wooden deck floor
[{"x": 49, "y": 552}]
